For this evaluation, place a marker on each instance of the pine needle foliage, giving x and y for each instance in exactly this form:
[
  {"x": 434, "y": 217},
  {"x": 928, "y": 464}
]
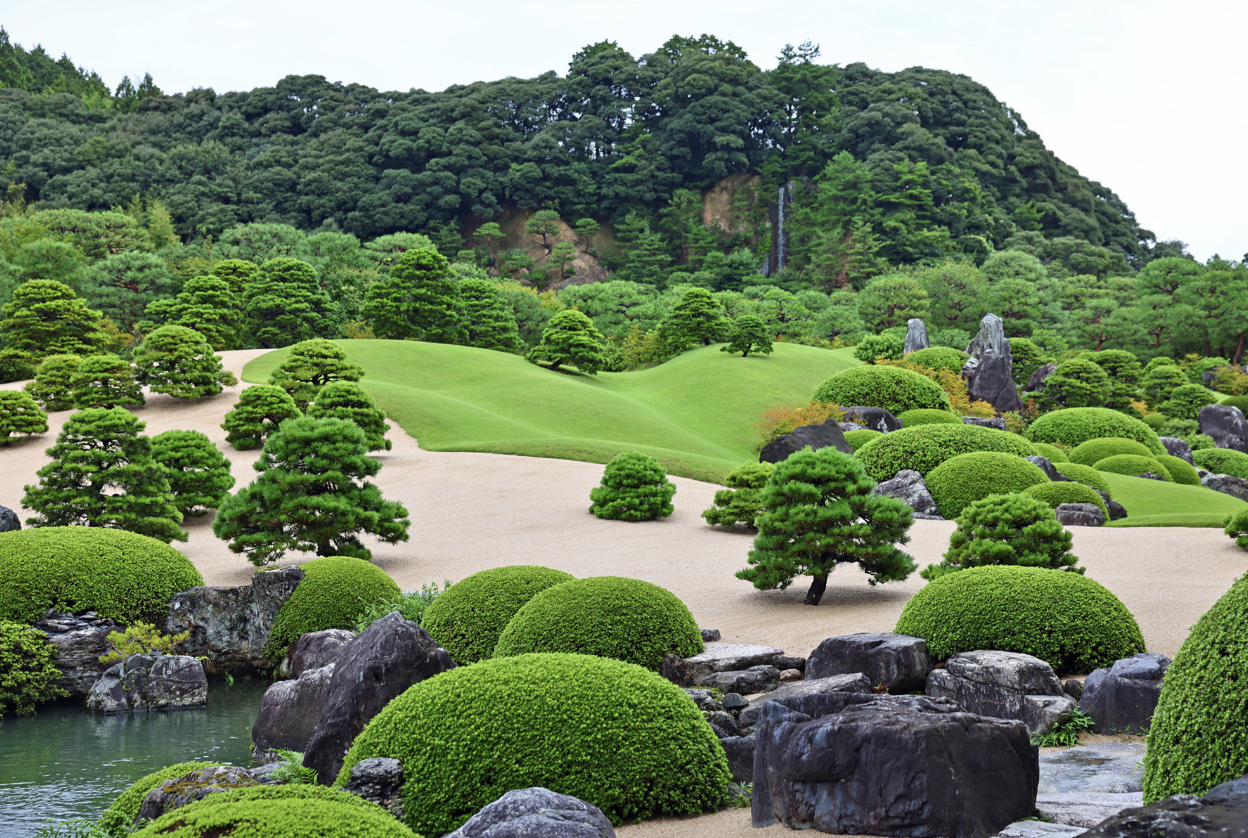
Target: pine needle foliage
[
  {"x": 105, "y": 381},
  {"x": 634, "y": 488},
  {"x": 179, "y": 362},
  {"x": 199, "y": 474},
  {"x": 311, "y": 365},
  {"x": 348, "y": 400},
  {"x": 257, "y": 414}
]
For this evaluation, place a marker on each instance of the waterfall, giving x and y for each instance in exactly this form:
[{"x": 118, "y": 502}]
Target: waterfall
[{"x": 780, "y": 234}]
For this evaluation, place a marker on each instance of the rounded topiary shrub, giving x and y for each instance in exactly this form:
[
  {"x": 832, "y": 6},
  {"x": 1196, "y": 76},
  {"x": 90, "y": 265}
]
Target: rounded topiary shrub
[
  {"x": 607, "y": 616},
  {"x": 334, "y": 592},
  {"x": 1131, "y": 465},
  {"x": 1056, "y": 494},
  {"x": 1198, "y": 738},
  {"x": 117, "y": 574},
  {"x": 1050, "y": 452},
  {"x": 922, "y": 416},
  {"x": 1009, "y": 529},
  {"x": 857, "y": 439},
  {"x": 1076, "y": 425},
  {"x": 1094, "y": 450},
  {"x": 1237, "y": 401},
  {"x": 119, "y": 817},
  {"x": 965, "y": 478},
  {"x": 1180, "y": 470},
  {"x": 939, "y": 358},
  {"x": 468, "y": 617},
  {"x": 1155, "y": 420},
  {"x": 923, "y": 448},
  {"x": 1222, "y": 461},
  {"x": 892, "y": 388},
  {"x": 742, "y": 501},
  {"x": 27, "y": 669},
  {"x": 634, "y": 488},
  {"x": 1237, "y": 528},
  {"x": 1086, "y": 475},
  {"x": 1067, "y": 619},
  {"x": 610, "y": 733}
]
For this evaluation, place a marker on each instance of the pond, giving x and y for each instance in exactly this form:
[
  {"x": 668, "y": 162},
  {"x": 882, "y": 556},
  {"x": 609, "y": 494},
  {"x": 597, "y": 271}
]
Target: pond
[{"x": 64, "y": 762}]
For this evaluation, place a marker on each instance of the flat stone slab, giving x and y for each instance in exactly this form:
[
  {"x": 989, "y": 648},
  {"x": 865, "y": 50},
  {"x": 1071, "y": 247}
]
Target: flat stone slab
[
  {"x": 1085, "y": 810},
  {"x": 1039, "y": 829},
  {"x": 718, "y": 657},
  {"x": 852, "y": 683},
  {"x": 1085, "y": 785}
]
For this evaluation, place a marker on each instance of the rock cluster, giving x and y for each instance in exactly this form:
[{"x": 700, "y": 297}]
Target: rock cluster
[
  {"x": 910, "y": 488},
  {"x": 825, "y": 435},
  {"x": 1004, "y": 685},
  {"x": 1122, "y": 698},
  {"x": 153, "y": 681},
  {"x": 80, "y": 641}
]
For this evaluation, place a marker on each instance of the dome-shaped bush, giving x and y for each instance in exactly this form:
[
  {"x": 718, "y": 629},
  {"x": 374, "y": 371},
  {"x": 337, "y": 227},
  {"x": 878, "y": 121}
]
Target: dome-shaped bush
[
  {"x": 1131, "y": 465},
  {"x": 1011, "y": 529},
  {"x": 1181, "y": 471},
  {"x": 607, "y": 616},
  {"x": 914, "y": 418},
  {"x": 1198, "y": 738},
  {"x": 892, "y": 388},
  {"x": 634, "y": 488},
  {"x": 1222, "y": 461},
  {"x": 1056, "y": 494},
  {"x": 121, "y": 814},
  {"x": 1237, "y": 401},
  {"x": 1086, "y": 475},
  {"x": 117, "y": 574},
  {"x": 970, "y": 477},
  {"x": 1050, "y": 452},
  {"x": 467, "y": 619},
  {"x": 334, "y": 592},
  {"x": 1094, "y": 450},
  {"x": 610, "y": 733},
  {"x": 857, "y": 439},
  {"x": 1155, "y": 420},
  {"x": 1076, "y": 425},
  {"x": 923, "y": 448},
  {"x": 939, "y": 358},
  {"x": 1067, "y": 619}
]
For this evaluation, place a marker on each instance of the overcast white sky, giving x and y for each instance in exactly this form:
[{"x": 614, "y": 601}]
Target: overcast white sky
[{"x": 1147, "y": 97}]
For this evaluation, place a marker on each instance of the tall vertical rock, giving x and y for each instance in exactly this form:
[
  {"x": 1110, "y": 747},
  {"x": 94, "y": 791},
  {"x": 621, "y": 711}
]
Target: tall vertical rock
[
  {"x": 989, "y": 372},
  {"x": 916, "y": 335}
]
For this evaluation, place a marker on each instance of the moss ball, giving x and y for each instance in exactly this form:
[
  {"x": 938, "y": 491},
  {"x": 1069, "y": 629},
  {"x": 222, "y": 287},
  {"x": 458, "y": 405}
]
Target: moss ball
[
  {"x": 1132, "y": 465},
  {"x": 610, "y": 733},
  {"x": 334, "y": 593},
  {"x": 914, "y": 418},
  {"x": 126, "y": 807},
  {"x": 467, "y": 619},
  {"x": 1222, "y": 461},
  {"x": 1067, "y": 619},
  {"x": 1056, "y": 494},
  {"x": 970, "y": 477},
  {"x": 1094, "y": 450},
  {"x": 1155, "y": 420},
  {"x": 1050, "y": 452},
  {"x": 923, "y": 448},
  {"x": 608, "y": 616},
  {"x": 1181, "y": 471},
  {"x": 857, "y": 439},
  {"x": 892, "y": 388},
  {"x": 939, "y": 358},
  {"x": 117, "y": 574},
  {"x": 1074, "y": 426},
  {"x": 1086, "y": 475}
]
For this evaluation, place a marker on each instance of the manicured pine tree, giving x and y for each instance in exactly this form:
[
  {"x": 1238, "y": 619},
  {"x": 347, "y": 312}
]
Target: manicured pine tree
[
  {"x": 199, "y": 474},
  {"x": 105, "y": 381},
  {"x": 634, "y": 488},
  {"x": 489, "y": 322},
  {"x": 237, "y": 273},
  {"x": 257, "y": 414},
  {"x": 311, "y": 365},
  {"x": 124, "y": 284},
  {"x": 418, "y": 301},
  {"x": 696, "y": 319},
  {"x": 53, "y": 385},
  {"x": 207, "y": 305},
  {"x": 748, "y": 333},
  {"x": 347, "y": 400},
  {"x": 178, "y": 361},
  {"x": 46, "y": 318},
  {"x": 286, "y": 304},
  {"x": 1159, "y": 382},
  {"x": 570, "y": 338},
  {"x": 20, "y": 416}
]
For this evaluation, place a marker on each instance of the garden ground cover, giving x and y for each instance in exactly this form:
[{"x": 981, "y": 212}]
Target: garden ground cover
[{"x": 1152, "y": 503}]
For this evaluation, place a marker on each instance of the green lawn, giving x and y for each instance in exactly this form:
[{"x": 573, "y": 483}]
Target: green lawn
[
  {"x": 1151, "y": 503},
  {"x": 696, "y": 412}
]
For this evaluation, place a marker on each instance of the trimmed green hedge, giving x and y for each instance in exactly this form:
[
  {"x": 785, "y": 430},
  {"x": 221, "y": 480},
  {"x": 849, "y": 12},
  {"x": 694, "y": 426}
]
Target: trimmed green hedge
[
  {"x": 28, "y": 670},
  {"x": 970, "y": 477},
  {"x": 1131, "y": 465},
  {"x": 927, "y": 446},
  {"x": 857, "y": 439},
  {"x": 1222, "y": 461},
  {"x": 608, "y": 616},
  {"x": 120, "y": 575},
  {"x": 1181, "y": 471},
  {"x": 125, "y": 808},
  {"x": 1067, "y": 619},
  {"x": 939, "y": 358},
  {"x": 1198, "y": 738},
  {"x": 1094, "y": 450},
  {"x": 1051, "y": 453},
  {"x": 610, "y": 733},
  {"x": 922, "y": 416},
  {"x": 1056, "y": 494},
  {"x": 334, "y": 592},
  {"x": 1086, "y": 475},
  {"x": 892, "y": 388},
  {"x": 467, "y": 619},
  {"x": 1076, "y": 425}
]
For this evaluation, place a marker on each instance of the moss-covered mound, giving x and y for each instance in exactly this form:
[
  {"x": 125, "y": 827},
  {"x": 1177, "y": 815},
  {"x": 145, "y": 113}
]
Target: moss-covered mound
[
  {"x": 119, "y": 575},
  {"x": 467, "y": 619},
  {"x": 1067, "y": 619},
  {"x": 1181, "y": 471},
  {"x": 939, "y": 358},
  {"x": 1222, "y": 461},
  {"x": 1133, "y": 464},
  {"x": 857, "y": 439},
  {"x": 892, "y": 388},
  {"x": 960, "y": 480},
  {"x": 608, "y": 616},
  {"x": 1056, "y": 494},
  {"x": 1094, "y": 450},
  {"x": 1198, "y": 737},
  {"x": 1086, "y": 475},
  {"x": 334, "y": 592},
  {"x": 1050, "y": 452},
  {"x": 611, "y": 733},
  {"x": 125, "y": 808},
  {"x": 927, "y": 446},
  {"x": 914, "y": 418},
  {"x": 1074, "y": 426}
]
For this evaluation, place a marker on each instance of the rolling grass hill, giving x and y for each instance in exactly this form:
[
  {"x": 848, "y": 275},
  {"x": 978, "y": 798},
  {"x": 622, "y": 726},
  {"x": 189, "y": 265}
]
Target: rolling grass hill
[{"x": 1151, "y": 503}]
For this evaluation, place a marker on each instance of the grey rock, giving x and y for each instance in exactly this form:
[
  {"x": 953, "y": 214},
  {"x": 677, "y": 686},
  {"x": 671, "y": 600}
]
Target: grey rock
[
  {"x": 783, "y": 662},
  {"x": 230, "y": 626},
  {"x": 1227, "y": 484},
  {"x": 150, "y": 682},
  {"x": 178, "y": 792},
  {"x": 756, "y": 679},
  {"x": 910, "y": 488},
  {"x": 899, "y": 662},
  {"x": 848, "y": 763},
  {"x": 537, "y": 813},
  {"x": 263, "y": 774},
  {"x": 1122, "y": 698},
  {"x": 710, "y": 635},
  {"x": 1035, "y": 384},
  {"x": 740, "y": 753},
  {"x": 704, "y": 699},
  {"x": 1222, "y": 812},
  {"x": 1039, "y": 829},
  {"x": 992, "y": 381},
  {"x": 985, "y": 422},
  {"x": 379, "y": 779},
  {"x": 850, "y": 683},
  {"x": 916, "y": 336},
  {"x": 790, "y": 675},
  {"x": 9, "y": 522},
  {"x": 724, "y": 721},
  {"x": 1105, "y": 768},
  {"x": 314, "y": 650},
  {"x": 1152, "y": 475},
  {"x": 1080, "y": 515},
  {"x": 1116, "y": 510},
  {"x": 79, "y": 642},
  {"x": 380, "y": 663},
  {"x": 846, "y": 427},
  {"x": 1004, "y": 685},
  {"x": 990, "y": 339},
  {"x": 1178, "y": 448},
  {"x": 289, "y": 712},
  {"x": 734, "y": 701},
  {"x": 825, "y": 435},
  {"x": 1085, "y": 809},
  {"x": 872, "y": 418},
  {"x": 1049, "y": 470},
  {"x": 717, "y": 657},
  {"x": 1225, "y": 425},
  {"x": 1073, "y": 688}
]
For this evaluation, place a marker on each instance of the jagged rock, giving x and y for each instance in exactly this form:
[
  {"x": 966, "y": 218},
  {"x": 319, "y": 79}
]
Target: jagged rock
[
  {"x": 1080, "y": 515},
  {"x": 890, "y": 765},
  {"x": 1035, "y": 384},
  {"x": 176, "y": 793},
  {"x": 1039, "y": 829},
  {"x": 910, "y": 488},
  {"x": 718, "y": 657},
  {"x": 1236, "y": 487},
  {"x": 153, "y": 681},
  {"x": 850, "y": 683},
  {"x": 756, "y": 679},
  {"x": 825, "y": 435},
  {"x": 379, "y": 779},
  {"x": 1049, "y": 471},
  {"x": 916, "y": 336},
  {"x": 79, "y": 641},
  {"x": 992, "y": 381},
  {"x": 846, "y": 427},
  {"x": 1178, "y": 448},
  {"x": 9, "y": 521},
  {"x": 704, "y": 699},
  {"x": 990, "y": 340},
  {"x": 289, "y": 712},
  {"x": 989, "y": 422},
  {"x": 896, "y": 661},
  {"x": 740, "y": 753},
  {"x": 1122, "y": 698},
  {"x": 1225, "y": 425},
  {"x": 721, "y": 720},
  {"x": 783, "y": 662},
  {"x": 1082, "y": 786},
  {"x": 709, "y": 635},
  {"x": 872, "y": 418},
  {"x": 1005, "y": 685},
  {"x": 379, "y": 664},
  {"x": 230, "y": 626},
  {"x": 314, "y": 650},
  {"x": 1222, "y": 812},
  {"x": 537, "y": 813}
]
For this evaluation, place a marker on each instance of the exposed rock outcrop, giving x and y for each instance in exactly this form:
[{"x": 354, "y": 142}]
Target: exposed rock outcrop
[
  {"x": 1004, "y": 685},
  {"x": 1122, "y": 698},
  {"x": 153, "y": 681},
  {"x": 898, "y": 662},
  {"x": 79, "y": 641},
  {"x": 825, "y": 435},
  {"x": 916, "y": 336},
  {"x": 537, "y": 813},
  {"x": 289, "y": 712},
  {"x": 910, "y": 488}
]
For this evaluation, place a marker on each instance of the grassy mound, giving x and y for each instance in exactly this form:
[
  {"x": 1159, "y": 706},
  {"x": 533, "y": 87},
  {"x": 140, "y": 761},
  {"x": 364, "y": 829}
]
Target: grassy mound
[
  {"x": 965, "y": 478},
  {"x": 923, "y": 448},
  {"x": 1132, "y": 465},
  {"x": 892, "y": 388},
  {"x": 335, "y": 591},
  {"x": 1094, "y": 450},
  {"x": 1152, "y": 503},
  {"x": 1074, "y": 426}
]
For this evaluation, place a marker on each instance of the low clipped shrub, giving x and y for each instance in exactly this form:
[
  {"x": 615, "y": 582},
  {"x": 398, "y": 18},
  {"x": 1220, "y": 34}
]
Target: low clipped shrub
[
  {"x": 53, "y": 384},
  {"x": 1072, "y": 622},
  {"x": 939, "y": 358},
  {"x": 914, "y": 418},
  {"x": 924, "y": 448},
  {"x": 334, "y": 592},
  {"x": 1237, "y": 401},
  {"x": 857, "y": 439},
  {"x": 27, "y": 669},
  {"x": 892, "y": 388},
  {"x": 1131, "y": 465},
  {"x": 1050, "y": 452},
  {"x": 1237, "y": 528},
  {"x": 742, "y": 501},
  {"x": 117, "y": 574},
  {"x": 1185, "y": 402},
  {"x": 1180, "y": 470},
  {"x": 634, "y": 488},
  {"x": 118, "y": 817},
  {"x": 1086, "y": 475},
  {"x": 467, "y": 619},
  {"x": 961, "y": 480},
  {"x": 1094, "y": 450},
  {"x": 1056, "y": 494},
  {"x": 1155, "y": 420},
  {"x": 1074, "y": 426},
  {"x": 1012, "y": 529},
  {"x": 1198, "y": 738},
  {"x": 871, "y": 347},
  {"x": 1077, "y": 382},
  {"x": 1222, "y": 461},
  {"x": 622, "y": 738},
  {"x": 606, "y": 616}
]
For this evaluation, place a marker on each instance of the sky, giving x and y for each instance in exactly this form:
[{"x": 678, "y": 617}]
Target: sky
[{"x": 1146, "y": 97}]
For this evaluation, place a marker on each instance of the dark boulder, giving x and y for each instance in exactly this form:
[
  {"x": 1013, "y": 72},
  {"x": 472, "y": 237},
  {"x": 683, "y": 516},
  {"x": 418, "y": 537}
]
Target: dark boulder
[
  {"x": 1221, "y": 813},
  {"x": 709, "y": 635},
  {"x": 1178, "y": 448},
  {"x": 1236, "y": 487},
  {"x": 716, "y": 657},
  {"x": 178, "y": 792},
  {"x": 872, "y": 418},
  {"x": 910, "y": 488},
  {"x": 79, "y": 642},
  {"x": 783, "y": 662},
  {"x": 1116, "y": 510},
  {"x": 995, "y": 422},
  {"x": 1080, "y": 515},
  {"x": 379, "y": 779},
  {"x": 1047, "y": 467},
  {"x": 740, "y": 753},
  {"x": 992, "y": 381},
  {"x": 1122, "y": 698},
  {"x": 854, "y": 682},
  {"x": 756, "y": 679},
  {"x": 825, "y": 435},
  {"x": 1035, "y": 384},
  {"x": 9, "y": 521},
  {"x": 314, "y": 650},
  {"x": 1005, "y": 685},
  {"x": 1225, "y": 425},
  {"x": 153, "y": 681},
  {"x": 289, "y": 712},
  {"x": 916, "y": 336},
  {"x": 898, "y": 662},
  {"x": 537, "y": 813}
]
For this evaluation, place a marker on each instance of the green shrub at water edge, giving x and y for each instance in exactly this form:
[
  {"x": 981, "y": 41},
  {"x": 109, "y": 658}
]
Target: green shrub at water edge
[
  {"x": 1076, "y": 425},
  {"x": 923, "y": 448},
  {"x": 892, "y": 388},
  {"x": 27, "y": 669},
  {"x": 1067, "y": 619},
  {"x": 411, "y": 605},
  {"x": 1222, "y": 461},
  {"x": 921, "y": 416},
  {"x": 467, "y": 620},
  {"x": 1055, "y": 494},
  {"x": 966, "y": 478},
  {"x": 622, "y": 738},
  {"x": 334, "y": 592},
  {"x": 1180, "y": 470},
  {"x": 1086, "y": 475},
  {"x": 1094, "y": 450},
  {"x": 1012, "y": 529},
  {"x": 1051, "y": 453},
  {"x": 1132, "y": 465},
  {"x": 857, "y": 439},
  {"x": 634, "y": 488},
  {"x": 121, "y": 814}
]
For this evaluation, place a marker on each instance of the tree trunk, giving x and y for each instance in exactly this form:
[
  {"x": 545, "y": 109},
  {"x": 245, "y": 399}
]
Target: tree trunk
[{"x": 817, "y": 586}]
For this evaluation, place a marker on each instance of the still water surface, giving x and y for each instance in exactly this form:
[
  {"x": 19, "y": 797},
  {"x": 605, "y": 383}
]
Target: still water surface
[{"x": 64, "y": 762}]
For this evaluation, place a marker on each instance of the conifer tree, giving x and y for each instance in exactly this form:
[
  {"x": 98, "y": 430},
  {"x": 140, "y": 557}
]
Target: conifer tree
[
  {"x": 311, "y": 365},
  {"x": 207, "y": 305},
  {"x": 198, "y": 473},
  {"x": 237, "y": 273},
  {"x": 347, "y": 400},
  {"x": 418, "y": 301},
  {"x": 748, "y": 333},
  {"x": 489, "y": 322},
  {"x": 178, "y": 361},
  {"x": 46, "y": 318},
  {"x": 286, "y": 304},
  {"x": 257, "y": 414},
  {"x": 696, "y": 319},
  {"x": 570, "y": 338},
  {"x": 20, "y": 416},
  {"x": 122, "y": 285},
  {"x": 53, "y": 386},
  {"x": 105, "y": 381}
]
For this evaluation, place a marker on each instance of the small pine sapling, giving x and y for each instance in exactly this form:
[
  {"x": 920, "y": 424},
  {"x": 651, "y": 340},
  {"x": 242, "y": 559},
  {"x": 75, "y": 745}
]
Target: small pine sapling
[
  {"x": 53, "y": 386},
  {"x": 347, "y": 400},
  {"x": 139, "y": 639},
  {"x": 199, "y": 474},
  {"x": 748, "y": 333},
  {"x": 257, "y": 414},
  {"x": 20, "y": 416},
  {"x": 742, "y": 501},
  {"x": 105, "y": 381},
  {"x": 311, "y": 365},
  {"x": 178, "y": 361},
  {"x": 634, "y": 488},
  {"x": 1013, "y": 529}
]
